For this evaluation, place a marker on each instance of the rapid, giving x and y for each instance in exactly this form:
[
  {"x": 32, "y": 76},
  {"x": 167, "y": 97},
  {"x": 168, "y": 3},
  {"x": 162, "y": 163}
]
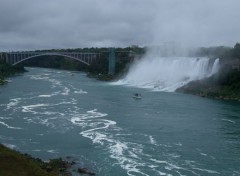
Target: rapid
[{"x": 51, "y": 113}]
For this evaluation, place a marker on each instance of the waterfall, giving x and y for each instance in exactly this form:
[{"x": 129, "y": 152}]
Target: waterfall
[
  {"x": 168, "y": 73},
  {"x": 215, "y": 67}
]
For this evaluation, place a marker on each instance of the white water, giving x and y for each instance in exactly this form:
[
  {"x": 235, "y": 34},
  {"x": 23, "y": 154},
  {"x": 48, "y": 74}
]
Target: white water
[
  {"x": 168, "y": 73},
  {"x": 111, "y": 133}
]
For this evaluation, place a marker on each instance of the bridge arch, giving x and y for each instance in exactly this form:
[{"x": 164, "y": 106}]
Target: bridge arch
[{"x": 52, "y": 54}]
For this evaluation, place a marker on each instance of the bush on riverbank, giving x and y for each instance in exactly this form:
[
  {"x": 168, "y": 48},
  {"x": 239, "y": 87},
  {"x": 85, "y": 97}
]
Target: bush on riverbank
[
  {"x": 224, "y": 85},
  {"x": 13, "y": 163},
  {"x": 8, "y": 70}
]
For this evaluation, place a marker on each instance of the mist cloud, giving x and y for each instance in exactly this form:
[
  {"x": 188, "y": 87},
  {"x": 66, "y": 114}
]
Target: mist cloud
[{"x": 32, "y": 24}]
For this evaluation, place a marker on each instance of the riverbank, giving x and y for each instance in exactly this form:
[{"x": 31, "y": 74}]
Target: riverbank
[
  {"x": 223, "y": 86},
  {"x": 13, "y": 162},
  {"x": 7, "y": 70}
]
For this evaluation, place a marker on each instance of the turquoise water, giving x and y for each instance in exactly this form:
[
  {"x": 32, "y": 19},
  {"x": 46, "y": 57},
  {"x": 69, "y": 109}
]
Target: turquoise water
[{"x": 51, "y": 113}]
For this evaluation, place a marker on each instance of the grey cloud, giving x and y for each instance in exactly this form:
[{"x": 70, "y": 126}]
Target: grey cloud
[
  {"x": 206, "y": 22},
  {"x": 34, "y": 24}
]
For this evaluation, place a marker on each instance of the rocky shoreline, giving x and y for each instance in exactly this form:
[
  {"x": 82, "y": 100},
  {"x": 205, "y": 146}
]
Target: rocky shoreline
[
  {"x": 13, "y": 162},
  {"x": 202, "y": 89}
]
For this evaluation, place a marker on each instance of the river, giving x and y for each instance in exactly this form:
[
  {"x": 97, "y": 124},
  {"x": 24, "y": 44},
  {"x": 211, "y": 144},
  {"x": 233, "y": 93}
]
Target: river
[{"x": 52, "y": 113}]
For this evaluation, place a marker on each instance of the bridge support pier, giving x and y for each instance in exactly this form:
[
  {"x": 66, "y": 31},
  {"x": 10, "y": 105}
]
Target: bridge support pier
[{"x": 111, "y": 61}]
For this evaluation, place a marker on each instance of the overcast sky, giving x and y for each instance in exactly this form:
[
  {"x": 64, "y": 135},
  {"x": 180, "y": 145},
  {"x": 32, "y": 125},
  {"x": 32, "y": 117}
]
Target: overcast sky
[{"x": 43, "y": 24}]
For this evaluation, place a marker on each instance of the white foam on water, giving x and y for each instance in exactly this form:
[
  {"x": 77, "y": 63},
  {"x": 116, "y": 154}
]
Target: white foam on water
[
  {"x": 10, "y": 127},
  {"x": 66, "y": 91},
  {"x": 45, "y": 96},
  {"x": 152, "y": 140},
  {"x": 49, "y": 95},
  {"x": 43, "y": 107},
  {"x": 46, "y": 78},
  {"x": 30, "y": 108},
  {"x": 158, "y": 161},
  {"x": 77, "y": 90},
  {"x": 125, "y": 156},
  {"x": 173, "y": 155},
  {"x": 95, "y": 135},
  {"x": 118, "y": 148},
  {"x": 162, "y": 173},
  {"x": 167, "y": 73},
  {"x": 192, "y": 164},
  {"x": 44, "y": 116},
  {"x": 8, "y": 80},
  {"x": 72, "y": 101},
  {"x": 4, "y": 118},
  {"x": 154, "y": 168},
  {"x": 11, "y": 146},
  {"x": 180, "y": 173},
  {"x": 127, "y": 159},
  {"x": 89, "y": 119},
  {"x": 203, "y": 154},
  {"x": 52, "y": 151},
  {"x": 173, "y": 167},
  {"x": 179, "y": 144},
  {"x": 41, "y": 134},
  {"x": 78, "y": 121},
  {"x": 128, "y": 155},
  {"x": 227, "y": 120},
  {"x": 80, "y": 92},
  {"x": 206, "y": 170},
  {"x": 13, "y": 102}
]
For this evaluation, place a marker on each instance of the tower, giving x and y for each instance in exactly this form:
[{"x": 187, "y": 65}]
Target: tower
[{"x": 111, "y": 61}]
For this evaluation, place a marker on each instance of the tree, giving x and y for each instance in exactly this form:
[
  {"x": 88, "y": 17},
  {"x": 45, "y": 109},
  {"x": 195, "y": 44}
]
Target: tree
[{"x": 236, "y": 51}]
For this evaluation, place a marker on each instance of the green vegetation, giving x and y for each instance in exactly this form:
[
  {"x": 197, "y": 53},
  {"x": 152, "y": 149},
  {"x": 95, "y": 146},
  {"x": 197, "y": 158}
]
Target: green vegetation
[
  {"x": 226, "y": 83},
  {"x": 13, "y": 163},
  {"x": 8, "y": 70},
  {"x": 56, "y": 62},
  {"x": 220, "y": 86}
]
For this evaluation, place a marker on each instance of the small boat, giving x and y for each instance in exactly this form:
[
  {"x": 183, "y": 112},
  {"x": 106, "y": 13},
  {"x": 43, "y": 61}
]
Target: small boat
[{"x": 137, "y": 96}]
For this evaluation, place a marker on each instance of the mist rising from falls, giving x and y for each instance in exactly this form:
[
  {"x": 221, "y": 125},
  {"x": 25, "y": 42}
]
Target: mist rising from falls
[{"x": 168, "y": 73}]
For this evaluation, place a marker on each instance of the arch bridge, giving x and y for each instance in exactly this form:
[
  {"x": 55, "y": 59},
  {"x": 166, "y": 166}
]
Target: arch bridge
[
  {"x": 15, "y": 58},
  {"x": 87, "y": 58}
]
